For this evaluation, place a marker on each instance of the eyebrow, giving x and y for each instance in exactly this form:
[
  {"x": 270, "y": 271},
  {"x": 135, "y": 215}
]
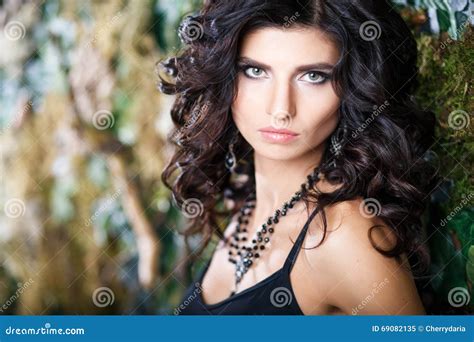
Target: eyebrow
[{"x": 307, "y": 67}]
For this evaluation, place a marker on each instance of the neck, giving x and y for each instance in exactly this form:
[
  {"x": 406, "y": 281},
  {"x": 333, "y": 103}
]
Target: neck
[{"x": 276, "y": 181}]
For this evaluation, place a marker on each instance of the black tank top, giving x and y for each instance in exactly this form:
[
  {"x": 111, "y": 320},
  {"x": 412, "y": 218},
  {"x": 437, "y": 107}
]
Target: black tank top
[{"x": 271, "y": 296}]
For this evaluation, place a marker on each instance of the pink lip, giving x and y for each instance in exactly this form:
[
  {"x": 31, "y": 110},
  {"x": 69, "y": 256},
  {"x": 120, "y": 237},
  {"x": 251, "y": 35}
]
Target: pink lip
[
  {"x": 277, "y": 130},
  {"x": 277, "y": 137}
]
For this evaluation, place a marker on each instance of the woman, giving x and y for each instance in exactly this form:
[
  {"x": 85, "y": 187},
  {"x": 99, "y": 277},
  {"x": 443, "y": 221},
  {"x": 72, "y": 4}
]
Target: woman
[{"x": 295, "y": 120}]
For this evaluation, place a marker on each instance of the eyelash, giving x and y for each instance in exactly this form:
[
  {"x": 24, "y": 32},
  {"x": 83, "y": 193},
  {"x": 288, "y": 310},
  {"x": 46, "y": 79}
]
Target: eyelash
[{"x": 244, "y": 67}]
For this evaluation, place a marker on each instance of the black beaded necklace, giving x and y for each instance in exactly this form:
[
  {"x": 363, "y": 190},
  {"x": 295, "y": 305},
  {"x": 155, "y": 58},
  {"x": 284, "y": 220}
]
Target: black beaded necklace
[{"x": 246, "y": 254}]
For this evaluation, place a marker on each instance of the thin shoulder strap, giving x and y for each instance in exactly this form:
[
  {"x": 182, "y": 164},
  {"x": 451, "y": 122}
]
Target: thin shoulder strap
[{"x": 299, "y": 241}]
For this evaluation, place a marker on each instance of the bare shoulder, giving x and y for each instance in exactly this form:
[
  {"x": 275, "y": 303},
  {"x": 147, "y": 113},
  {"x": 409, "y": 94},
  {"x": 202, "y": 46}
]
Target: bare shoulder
[{"x": 357, "y": 279}]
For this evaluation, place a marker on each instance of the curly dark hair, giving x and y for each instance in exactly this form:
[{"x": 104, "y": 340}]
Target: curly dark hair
[{"x": 375, "y": 77}]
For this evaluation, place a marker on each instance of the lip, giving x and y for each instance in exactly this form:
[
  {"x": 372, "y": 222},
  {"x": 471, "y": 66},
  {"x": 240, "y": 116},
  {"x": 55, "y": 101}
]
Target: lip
[
  {"x": 270, "y": 129},
  {"x": 278, "y": 135}
]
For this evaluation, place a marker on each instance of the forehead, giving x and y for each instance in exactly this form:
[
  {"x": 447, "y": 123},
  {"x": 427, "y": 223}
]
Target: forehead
[{"x": 298, "y": 45}]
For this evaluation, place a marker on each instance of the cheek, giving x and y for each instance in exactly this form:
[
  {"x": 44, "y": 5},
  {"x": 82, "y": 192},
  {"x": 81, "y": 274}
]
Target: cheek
[
  {"x": 319, "y": 106},
  {"x": 319, "y": 114},
  {"x": 248, "y": 104},
  {"x": 322, "y": 98}
]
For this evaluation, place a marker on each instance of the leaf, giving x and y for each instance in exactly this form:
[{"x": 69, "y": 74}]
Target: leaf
[{"x": 470, "y": 264}]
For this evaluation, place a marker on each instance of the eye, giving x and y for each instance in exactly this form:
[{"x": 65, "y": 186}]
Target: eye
[
  {"x": 315, "y": 77},
  {"x": 253, "y": 72}
]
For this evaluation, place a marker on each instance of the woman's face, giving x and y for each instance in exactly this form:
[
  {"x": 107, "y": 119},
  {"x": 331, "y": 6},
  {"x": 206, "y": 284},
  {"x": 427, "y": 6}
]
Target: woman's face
[{"x": 284, "y": 85}]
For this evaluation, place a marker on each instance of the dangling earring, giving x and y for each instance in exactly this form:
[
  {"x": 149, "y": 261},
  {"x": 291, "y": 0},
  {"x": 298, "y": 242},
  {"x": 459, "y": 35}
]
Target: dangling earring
[
  {"x": 230, "y": 159},
  {"x": 337, "y": 140}
]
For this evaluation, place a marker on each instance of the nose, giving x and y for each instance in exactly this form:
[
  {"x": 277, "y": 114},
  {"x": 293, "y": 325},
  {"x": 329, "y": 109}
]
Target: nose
[{"x": 281, "y": 104}]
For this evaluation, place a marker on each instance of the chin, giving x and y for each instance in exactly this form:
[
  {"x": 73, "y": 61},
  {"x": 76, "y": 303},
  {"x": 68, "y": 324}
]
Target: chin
[{"x": 276, "y": 152}]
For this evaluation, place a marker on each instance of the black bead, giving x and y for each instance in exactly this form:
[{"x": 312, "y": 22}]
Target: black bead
[
  {"x": 271, "y": 230},
  {"x": 244, "y": 239},
  {"x": 264, "y": 230},
  {"x": 276, "y": 221},
  {"x": 260, "y": 239},
  {"x": 255, "y": 247},
  {"x": 254, "y": 241},
  {"x": 257, "y": 255},
  {"x": 269, "y": 221},
  {"x": 230, "y": 252},
  {"x": 267, "y": 239},
  {"x": 262, "y": 247}
]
